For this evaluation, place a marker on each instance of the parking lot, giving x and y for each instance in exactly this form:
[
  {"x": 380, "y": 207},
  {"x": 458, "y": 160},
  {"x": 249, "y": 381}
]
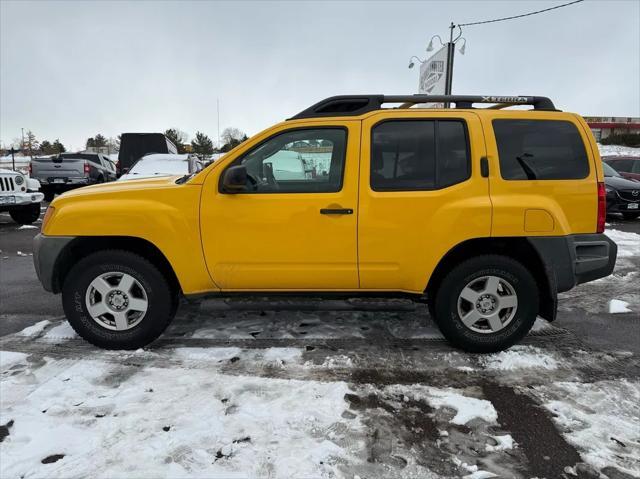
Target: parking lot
[{"x": 314, "y": 388}]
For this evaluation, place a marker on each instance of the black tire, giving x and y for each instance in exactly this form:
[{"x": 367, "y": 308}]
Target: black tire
[
  {"x": 49, "y": 194},
  {"x": 630, "y": 216},
  {"x": 161, "y": 299},
  {"x": 446, "y": 303},
  {"x": 25, "y": 215}
]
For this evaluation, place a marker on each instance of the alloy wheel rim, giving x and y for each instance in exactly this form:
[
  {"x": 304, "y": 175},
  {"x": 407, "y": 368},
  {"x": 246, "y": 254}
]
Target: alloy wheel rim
[
  {"x": 116, "y": 301},
  {"x": 487, "y": 304}
]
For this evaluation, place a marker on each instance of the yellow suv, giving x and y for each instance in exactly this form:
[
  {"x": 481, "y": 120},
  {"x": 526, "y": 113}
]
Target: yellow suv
[{"x": 485, "y": 212}]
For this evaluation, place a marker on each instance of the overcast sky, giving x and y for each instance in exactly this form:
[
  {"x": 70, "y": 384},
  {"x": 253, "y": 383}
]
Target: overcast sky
[{"x": 72, "y": 69}]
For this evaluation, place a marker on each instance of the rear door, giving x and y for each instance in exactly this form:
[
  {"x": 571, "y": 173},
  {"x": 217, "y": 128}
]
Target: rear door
[
  {"x": 421, "y": 193},
  {"x": 543, "y": 174}
]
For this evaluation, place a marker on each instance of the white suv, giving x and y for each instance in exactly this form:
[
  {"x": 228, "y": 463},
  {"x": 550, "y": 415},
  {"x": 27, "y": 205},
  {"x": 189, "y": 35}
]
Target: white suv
[{"x": 19, "y": 196}]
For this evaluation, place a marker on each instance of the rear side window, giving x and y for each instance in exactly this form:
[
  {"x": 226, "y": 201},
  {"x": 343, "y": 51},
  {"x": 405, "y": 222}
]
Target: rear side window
[
  {"x": 409, "y": 155},
  {"x": 540, "y": 150}
]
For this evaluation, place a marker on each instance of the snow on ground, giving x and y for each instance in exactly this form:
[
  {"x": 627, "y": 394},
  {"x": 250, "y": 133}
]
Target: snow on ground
[
  {"x": 600, "y": 418},
  {"x": 618, "y": 150},
  {"x": 165, "y": 423},
  {"x": 519, "y": 357},
  {"x": 628, "y": 243},
  {"x": 618, "y": 306},
  {"x": 35, "y": 329},
  {"x": 9, "y": 358}
]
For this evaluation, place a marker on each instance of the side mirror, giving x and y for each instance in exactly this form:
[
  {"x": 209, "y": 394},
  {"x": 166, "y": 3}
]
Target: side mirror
[{"x": 234, "y": 179}]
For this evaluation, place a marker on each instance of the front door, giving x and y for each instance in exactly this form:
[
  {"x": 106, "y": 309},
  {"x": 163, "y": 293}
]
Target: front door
[{"x": 294, "y": 227}]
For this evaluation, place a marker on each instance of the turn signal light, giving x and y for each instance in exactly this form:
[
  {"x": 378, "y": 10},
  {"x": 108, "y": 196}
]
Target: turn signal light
[{"x": 602, "y": 207}]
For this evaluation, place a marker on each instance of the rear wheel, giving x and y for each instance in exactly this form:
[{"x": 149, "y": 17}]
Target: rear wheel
[
  {"x": 117, "y": 300},
  {"x": 486, "y": 304},
  {"x": 25, "y": 215},
  {"x": 630, "y": 216}
]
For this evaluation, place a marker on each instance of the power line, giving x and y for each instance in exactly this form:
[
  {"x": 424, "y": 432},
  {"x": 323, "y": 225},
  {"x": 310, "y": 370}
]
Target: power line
[{"x": 519, "y": 16}]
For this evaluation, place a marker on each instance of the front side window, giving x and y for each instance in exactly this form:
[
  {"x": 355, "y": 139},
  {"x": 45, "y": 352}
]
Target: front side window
[
  {"x": 298, "y": 161},
  {"x": 540, "y": 150},
  {"x": 409, "y": 155}
]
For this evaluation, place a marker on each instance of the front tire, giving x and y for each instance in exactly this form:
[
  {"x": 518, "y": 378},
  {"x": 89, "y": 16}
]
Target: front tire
[
  {"x": 25, "y": 215},
  {"x": 116, "y": 299},
  {"x": 486, "y": 304}
]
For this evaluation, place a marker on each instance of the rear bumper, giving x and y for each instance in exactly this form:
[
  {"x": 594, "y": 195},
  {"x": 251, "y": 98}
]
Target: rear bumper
[
  {"x": 576, "y": 259},
  {"x": 46, "y": 251}
]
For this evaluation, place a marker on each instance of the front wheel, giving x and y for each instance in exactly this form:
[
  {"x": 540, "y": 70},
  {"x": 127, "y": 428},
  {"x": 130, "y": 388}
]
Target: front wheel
[
  {"x": 25, "y": 215},
  {"x": 117, "y": 300},
  {"x": 486, "y": 304}
]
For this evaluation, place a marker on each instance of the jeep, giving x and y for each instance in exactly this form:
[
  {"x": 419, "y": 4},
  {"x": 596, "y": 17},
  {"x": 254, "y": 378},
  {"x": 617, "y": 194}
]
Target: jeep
[{"x": 482, "y": 211}]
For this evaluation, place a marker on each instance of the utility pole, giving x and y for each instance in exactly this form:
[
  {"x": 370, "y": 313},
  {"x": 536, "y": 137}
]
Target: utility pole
[
  {"x": 22, "y": 144},
  {"x": 218, "y": 104}
]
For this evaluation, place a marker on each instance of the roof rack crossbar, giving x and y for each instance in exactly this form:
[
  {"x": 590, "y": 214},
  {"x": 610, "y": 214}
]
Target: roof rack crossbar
[{"x": 352, "y": 105}]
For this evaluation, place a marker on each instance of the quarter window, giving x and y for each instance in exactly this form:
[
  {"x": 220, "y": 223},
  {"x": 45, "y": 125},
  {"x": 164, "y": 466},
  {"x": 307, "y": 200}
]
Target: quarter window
[
  {"x": 540, "y": 150},
  {"x": 411, "y": 155},
  {"x": 298, "y": 161}
]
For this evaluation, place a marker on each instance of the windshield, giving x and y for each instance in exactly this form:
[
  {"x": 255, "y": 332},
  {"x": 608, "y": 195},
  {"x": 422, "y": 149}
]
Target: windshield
[
  {"x": 609, "y": 171},
  {"x": 150, "y": 167}
]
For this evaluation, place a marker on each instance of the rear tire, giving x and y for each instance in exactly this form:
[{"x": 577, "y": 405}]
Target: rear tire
[
  {"x": 96, "y": 282},
  {"x": 498, "y": 326},
  {"x": 25, "y": 215},
  {"x": 630, "y": 216}
]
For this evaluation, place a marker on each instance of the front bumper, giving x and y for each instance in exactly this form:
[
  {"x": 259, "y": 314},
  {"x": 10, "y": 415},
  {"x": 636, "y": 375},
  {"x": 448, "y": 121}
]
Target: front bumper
[
  {"x": 619, "y": 205},
  {"x": 576, "y": 259},
  {"x": 47, "y": 251},
  {"x": 21, "y": 198}
]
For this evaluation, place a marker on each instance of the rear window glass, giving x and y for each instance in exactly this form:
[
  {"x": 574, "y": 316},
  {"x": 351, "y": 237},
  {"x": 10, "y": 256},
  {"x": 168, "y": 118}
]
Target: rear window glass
[
  {"x": 540, "y": 150},
  {"x": 411, "y": 155}
]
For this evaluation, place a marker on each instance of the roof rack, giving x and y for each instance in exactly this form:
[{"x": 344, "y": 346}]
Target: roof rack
[{"x": 352, "y": 105}]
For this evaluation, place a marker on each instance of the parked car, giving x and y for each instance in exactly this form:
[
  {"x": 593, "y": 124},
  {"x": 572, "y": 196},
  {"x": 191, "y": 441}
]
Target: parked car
[
  {"x": 486, "y": 214},
  {"x": 19, "y": 196},
  {"x": 71, "y": 170},
  {"x": 134, "y": 146},
  {"x": 150, "y": 166},
  {"x": 623, "y": 195},
  {"x": 627, "y": 166}
]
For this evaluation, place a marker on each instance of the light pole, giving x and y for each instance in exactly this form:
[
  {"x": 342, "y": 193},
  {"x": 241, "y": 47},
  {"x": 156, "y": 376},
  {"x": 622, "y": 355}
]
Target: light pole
[{"x": 450, "y": 54}]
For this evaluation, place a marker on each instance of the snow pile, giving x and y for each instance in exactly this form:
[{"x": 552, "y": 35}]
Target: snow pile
[
  {"x": 127, "y": 422},
  {"x": 9, "y": 359},
  {"x": 519, "y": 357},
  {"x": 628, "y": 243},
  {"x": 502, "y": 443},
  {"x": 618, "y": 150},
  {"x": 618, "y": 306},
  {"x": 601, "y": 419},
  {"x": 466, "y": 408},
  {"x": 35, "y": 329},
  {"x": 61, "y": 331}
]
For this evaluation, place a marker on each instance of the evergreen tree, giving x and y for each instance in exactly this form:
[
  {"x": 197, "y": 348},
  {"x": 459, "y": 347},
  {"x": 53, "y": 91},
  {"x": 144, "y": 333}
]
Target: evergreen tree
[
  {"x": 30, "y": 143},
  {"x": 46, "y": 147},
  {"x": 58, "y": 147},
  {"x": 202, "y": 145},
  {"x": 179, "y": 138}
]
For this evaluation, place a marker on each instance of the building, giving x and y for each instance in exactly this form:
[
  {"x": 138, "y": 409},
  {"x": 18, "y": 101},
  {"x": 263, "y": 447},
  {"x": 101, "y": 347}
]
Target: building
[{"x": 603, "y": 126}]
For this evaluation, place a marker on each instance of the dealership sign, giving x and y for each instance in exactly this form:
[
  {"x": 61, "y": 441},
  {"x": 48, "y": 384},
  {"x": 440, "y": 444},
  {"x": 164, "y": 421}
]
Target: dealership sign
[{"x": 433, "y": 77}]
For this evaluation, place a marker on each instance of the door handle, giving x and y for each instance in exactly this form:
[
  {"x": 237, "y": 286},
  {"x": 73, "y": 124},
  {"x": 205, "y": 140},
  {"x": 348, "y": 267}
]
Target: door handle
[{"x": 336, "y": 211}]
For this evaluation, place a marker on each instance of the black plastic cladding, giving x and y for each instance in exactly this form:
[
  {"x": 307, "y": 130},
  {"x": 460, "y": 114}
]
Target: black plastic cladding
[{"x": 352, "y": 105}]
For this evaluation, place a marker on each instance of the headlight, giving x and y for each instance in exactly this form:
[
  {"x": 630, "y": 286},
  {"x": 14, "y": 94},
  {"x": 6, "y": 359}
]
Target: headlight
[{"x": 19, "y": 180}]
